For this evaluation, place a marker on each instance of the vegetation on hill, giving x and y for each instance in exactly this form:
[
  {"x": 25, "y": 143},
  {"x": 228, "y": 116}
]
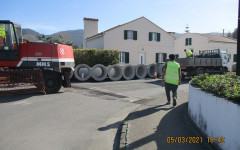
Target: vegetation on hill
[
  {"x": 75, "y": 36},
  {"x": 59, "y": 40},
  {"x": 233, "y": 35}
]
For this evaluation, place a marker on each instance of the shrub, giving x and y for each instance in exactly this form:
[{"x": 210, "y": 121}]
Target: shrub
[
  {"x": 92, "y": 57},
  {"x": 227, "y": 85}
]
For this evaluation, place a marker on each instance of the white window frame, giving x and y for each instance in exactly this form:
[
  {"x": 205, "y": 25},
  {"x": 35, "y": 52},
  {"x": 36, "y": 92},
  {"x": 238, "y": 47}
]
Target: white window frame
[
  {"x": 160, "y": 57},
  {"x": 188, "y": 42},
  {"x": 122, "y": 57}
]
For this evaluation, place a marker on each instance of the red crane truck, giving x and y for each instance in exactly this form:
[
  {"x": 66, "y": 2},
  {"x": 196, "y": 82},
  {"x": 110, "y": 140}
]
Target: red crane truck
[{"x": 53, "y": 60}]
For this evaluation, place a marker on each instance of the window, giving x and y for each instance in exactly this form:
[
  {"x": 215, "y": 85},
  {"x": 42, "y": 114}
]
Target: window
[
  {"x": 124, "y": 57},
  {"x": 188, "y": 41},
  {"x": 161, "y": 57},
  {"x": 7, "y": 37},
  {"x": 234, "y": 57},
  {"x": 154, "y": 36},
  {"x": 176, "y": 56},
  {"x": 130, "y": 35}
]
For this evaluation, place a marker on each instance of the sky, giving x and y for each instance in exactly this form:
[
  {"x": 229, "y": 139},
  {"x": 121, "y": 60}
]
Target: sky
[{"x": 50, "y": 16}]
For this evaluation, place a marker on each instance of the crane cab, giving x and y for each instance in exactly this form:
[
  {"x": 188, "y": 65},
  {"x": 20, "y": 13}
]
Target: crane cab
[{"x": 10, "y": 37}]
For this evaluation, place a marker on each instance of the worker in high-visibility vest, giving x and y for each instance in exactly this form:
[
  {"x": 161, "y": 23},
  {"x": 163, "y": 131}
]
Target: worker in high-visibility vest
[
  {"x": 171, "y": 76},
  {"x": 2, "y": 36},
  {"x": 188, "y": 53}
]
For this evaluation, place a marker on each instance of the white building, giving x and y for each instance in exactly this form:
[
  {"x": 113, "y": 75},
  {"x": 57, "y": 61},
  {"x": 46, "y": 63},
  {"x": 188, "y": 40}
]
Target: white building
[
  {"x": 139, "y": 41},
  {"x": 196, "y": 42}
]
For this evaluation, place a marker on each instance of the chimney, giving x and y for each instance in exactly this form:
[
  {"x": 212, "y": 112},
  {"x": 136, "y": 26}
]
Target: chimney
[{"x": 90, "y": 29}]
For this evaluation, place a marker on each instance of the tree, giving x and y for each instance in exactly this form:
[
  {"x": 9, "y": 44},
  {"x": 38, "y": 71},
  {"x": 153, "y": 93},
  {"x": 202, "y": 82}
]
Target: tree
[
  {"x": 59, "y": 40},
  {"x": 229, "y": 34},
  {"x": 30, "y": 38},
  {"x": 234, "y": 34},
  {"x": 42, "y": 38}
]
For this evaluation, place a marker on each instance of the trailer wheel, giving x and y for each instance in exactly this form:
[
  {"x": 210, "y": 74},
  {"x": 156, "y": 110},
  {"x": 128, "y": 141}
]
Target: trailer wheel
[
  {"x": 199, "y": 71},
  {"x": 183, "y": 77},
  {"x": 53, "y": 81}
]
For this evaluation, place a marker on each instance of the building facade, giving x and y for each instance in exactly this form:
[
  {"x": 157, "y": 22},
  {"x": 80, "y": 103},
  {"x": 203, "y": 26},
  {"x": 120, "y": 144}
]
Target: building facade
[
  {"x": 139, "y": 41},
  {"x": 196, "y": 42}
]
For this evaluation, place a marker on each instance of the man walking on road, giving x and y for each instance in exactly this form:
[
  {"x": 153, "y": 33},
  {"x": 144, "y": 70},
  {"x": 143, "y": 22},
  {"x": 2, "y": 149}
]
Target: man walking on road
[{"x": 171, "y": 76}]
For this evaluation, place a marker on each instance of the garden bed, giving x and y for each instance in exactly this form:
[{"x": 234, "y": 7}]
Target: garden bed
[{"x": 214, "y": 107}]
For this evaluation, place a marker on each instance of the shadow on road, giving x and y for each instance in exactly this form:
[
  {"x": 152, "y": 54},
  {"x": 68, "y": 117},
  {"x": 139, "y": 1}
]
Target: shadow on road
[
  {"x": 136, "y": 115},
  {"x": 174, "y": 124},
  {"x": 159, "y": 82}
]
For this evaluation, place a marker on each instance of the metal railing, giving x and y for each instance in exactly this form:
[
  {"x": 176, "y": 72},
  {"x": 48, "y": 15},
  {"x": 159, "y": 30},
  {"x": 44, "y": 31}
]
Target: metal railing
[{"x": 21, "y": 81}]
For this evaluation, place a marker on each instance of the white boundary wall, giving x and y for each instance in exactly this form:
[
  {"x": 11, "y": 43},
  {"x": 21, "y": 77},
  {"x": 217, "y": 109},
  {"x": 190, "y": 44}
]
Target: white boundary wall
[{"x": 216, "y": 117}]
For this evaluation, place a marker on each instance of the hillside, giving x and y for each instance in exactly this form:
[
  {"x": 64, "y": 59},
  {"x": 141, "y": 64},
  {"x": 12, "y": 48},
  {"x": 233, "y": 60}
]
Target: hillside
[{"x": 76, "y": 36}]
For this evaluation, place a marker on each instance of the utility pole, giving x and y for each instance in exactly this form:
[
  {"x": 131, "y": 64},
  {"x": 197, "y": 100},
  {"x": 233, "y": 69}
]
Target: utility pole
[
  {"x": 238, "y": 42},
  {"x": 223, "y": 32}
]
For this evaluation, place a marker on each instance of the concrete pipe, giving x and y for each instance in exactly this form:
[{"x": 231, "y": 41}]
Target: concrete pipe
[
  {"x": 159, "y": 69},
  {"x": 141, "y": 71},
  {"x": 99, "y": 72},
  {"x": 128, "y": 72},
  {"x": 114, "y": 72},
  {"x": 151, "y": 70},
  {"x": 82, "y": 72}
]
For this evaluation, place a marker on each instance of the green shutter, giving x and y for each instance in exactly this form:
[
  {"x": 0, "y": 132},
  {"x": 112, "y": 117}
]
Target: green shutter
[
  {"x": 186, "y": 41},
  {"x": 125, "y": 34},
  {"x": 234, "y": 57},
  {"x": 164, "y": 57},
  {"x": 190, "y": 41},
  {"x": 158, "y": 37},
  {"x": 150, "y": 36},
  {"x": 134, "y": 35},
  {"x": 126, "y": 57},
  {"x": 157, "y": 57}
]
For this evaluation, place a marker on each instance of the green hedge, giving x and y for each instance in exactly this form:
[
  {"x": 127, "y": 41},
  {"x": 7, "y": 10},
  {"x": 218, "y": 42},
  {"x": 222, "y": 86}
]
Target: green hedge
[
  {"x": 227, "y": 85},
  {"x": 92, "y": 57}
]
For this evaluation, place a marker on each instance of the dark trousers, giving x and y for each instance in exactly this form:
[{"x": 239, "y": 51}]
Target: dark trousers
[{"x": 173, "y": 88}]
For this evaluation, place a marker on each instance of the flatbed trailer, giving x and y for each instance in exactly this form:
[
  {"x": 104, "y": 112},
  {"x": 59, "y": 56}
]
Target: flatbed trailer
[
  {"x": 208, "y": 61},
  {"x": 195, "y": 66}
]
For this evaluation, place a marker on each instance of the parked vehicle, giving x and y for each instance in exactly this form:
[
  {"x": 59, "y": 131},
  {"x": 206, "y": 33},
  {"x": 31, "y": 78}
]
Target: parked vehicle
[{"x": 207, "y": 61}]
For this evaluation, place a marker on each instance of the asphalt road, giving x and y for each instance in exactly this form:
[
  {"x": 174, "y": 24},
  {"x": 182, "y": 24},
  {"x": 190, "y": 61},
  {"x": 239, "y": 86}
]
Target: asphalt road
[{"x": 73, "y": 118}]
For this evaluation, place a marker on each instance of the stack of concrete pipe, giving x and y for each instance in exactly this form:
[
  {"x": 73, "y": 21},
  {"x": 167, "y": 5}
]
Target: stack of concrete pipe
[
  {"x": 128, "y": 72},
  {"x": 99, "y": 72},
  {"x": 151, "y": 70},
  {"x": 115, "y": 72},
  {"x": 141, "y": 71},
  {"x": 82, "y": 72}
]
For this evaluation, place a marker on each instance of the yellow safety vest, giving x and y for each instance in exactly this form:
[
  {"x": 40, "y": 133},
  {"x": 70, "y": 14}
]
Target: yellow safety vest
[
  {"x": 172, "y": 74},
  {"x": 189, "y": 53},
  {"x": 2, "y": 31}
]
